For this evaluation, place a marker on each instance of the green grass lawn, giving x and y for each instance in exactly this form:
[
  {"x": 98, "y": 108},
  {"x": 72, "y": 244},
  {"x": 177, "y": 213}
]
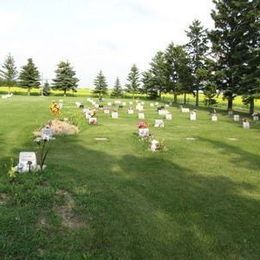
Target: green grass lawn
[{"x": 199, "y": 199}]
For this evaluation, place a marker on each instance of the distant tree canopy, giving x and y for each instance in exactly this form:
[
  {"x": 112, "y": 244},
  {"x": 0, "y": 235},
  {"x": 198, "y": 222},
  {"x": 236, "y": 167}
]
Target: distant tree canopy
[
  {"x": 65, "y": 79},
  {"x": 29, "y": 76}
]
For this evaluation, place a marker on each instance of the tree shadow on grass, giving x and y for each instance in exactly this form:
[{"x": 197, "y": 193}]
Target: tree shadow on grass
[
  {"x": 243, "y": 158},
  {"x": 133, "y": 207}
]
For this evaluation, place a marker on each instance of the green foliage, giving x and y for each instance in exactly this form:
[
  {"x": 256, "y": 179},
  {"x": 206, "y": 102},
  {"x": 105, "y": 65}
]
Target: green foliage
[
  {"x": 46, "y": 89},
  {"x": 65, "y": 78},
  {"x": 29, "y": 76},
  {"x": 100, "y": 85},
  {"x": 197, "y": 48},
  {"x": 133, "y": 81},
  {"x": 117, "y": 91},
  {"x": 8, "y": 73}
]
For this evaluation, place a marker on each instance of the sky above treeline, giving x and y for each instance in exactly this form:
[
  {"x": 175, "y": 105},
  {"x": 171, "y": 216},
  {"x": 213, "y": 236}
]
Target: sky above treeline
[{"x": 107, "y": 35}]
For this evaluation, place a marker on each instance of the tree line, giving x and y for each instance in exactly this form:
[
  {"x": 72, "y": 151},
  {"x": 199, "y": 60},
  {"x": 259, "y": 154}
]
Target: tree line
[{"x": 224, "y": 60}]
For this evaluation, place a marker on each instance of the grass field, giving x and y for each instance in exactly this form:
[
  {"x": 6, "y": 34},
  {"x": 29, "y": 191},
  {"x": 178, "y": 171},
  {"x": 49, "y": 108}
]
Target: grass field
[{"x": 199, "y": 199}]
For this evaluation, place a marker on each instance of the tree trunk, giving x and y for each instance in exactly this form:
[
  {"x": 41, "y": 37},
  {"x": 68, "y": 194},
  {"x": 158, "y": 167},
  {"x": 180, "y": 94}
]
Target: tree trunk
[
  {"x": 197, "y": 98},
  {"x": 184, "y": 99},
  {"x": 9, "y": 90},
  {"x": 65, "y": 92},
  {"x": 29, "y": 92},
  {"x": 175, "y": 98},
  {"x": 252, "y": 105},
  {"x": 230, "y": 103}
]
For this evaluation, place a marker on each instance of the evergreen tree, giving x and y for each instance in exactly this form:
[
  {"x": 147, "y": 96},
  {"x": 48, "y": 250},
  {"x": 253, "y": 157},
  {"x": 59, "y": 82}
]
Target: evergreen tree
[
  {"x": 179, "y": 78},
  {"x": 134, "y": 81},
  {"x": 226, "y": 44},
  {"x": 149, "y": 85},
  {"x": 29, "y": 76},
  {"x": 197, "y": 49},
  {"x": 100, "y": 85},
  {"x": 250, "y": 53},
  {"x": 8, "y": 72},
  {"x": 65, "y": 78},
  {"x": 117, "y": 91},
  {"x": 46, "y": 89}
]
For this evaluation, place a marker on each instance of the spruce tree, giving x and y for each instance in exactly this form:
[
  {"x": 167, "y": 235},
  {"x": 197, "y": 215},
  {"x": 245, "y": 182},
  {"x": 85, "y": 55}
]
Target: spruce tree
[
  {"x": 226, "y": 45},
  {"x": 197, "y": 48},
  {"x": 117, "y": 91},
  {"x": 100, "y": 85},
  {"x": 133, "y": 81},
  {"x": 250, "y": 54},
  {"x": 29, "y": 76},
  {"x": 8, "y": 72},
  {"x": 65, "y": 78},
  {"x": 46, "y": 89},
  {"x": 179, "y": 78}
]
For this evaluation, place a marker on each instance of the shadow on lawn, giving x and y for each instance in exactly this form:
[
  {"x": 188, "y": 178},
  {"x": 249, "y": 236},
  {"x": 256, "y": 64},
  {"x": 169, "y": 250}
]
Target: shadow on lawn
[
  {"x": 145, "y": 207},
  {"x": 243, "y": 158}
]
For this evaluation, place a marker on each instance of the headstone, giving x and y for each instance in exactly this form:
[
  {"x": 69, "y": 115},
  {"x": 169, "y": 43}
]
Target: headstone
[
  {"x": 230, "y": 112},
  {"x": 78, "y": 104},
  {"x": 143, "y": 132},
  {"x": 246, "y": 124},
  {"x": 109, "y": 103},
  {"x": 162, "y": 112},
  {"x": 114, "y": 115},
  {"x": 27, "y": 162},
  {"x": 130, "y": 103},
  {"x": 156, "y": 103},
  {"x": 154, "y": 145},
  {"x": 140, "y": 115},
  {"x": 92, "y": 120},
  {"x": 255, "y": 117},
  {"x": 214, "y": 117},
  {"x": 159, "y": 123},
  {"x": 106, "y": 111},
  {"x": 124, "y": 104},
  {"x": 46, "y": 133},
  {"x": 139, "y": 107},
  {"x": 151, "y": 104},
  {"x": 236, "y": 118},
  {"x": 193, "y": 116},
  {"x": 185, "y": 110},
  {"x": 168, "y": 116},
  {"x": 130, "y": 111}
]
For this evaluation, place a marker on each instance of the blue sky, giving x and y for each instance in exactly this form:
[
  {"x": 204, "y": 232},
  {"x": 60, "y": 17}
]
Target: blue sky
[{"x": 107, "y": 35}]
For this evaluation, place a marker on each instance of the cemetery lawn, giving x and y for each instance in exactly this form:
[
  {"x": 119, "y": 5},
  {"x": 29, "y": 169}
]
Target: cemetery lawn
[{"x": 199, "y": 199}]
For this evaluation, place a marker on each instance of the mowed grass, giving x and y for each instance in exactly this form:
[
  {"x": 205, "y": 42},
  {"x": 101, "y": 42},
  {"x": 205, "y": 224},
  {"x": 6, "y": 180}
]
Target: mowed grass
[{"x": 198, "y": 199}]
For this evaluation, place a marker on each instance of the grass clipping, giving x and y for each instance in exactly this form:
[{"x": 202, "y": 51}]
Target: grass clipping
[{"x": 60, "y": 127}]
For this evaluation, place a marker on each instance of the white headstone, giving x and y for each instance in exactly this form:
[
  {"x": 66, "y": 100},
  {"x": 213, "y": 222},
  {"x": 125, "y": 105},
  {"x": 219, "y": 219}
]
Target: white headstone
[
  {"x": 140, "y": 115},
  {"x": 246, "y": 125},
  {"x": 109, "y": 103},
  {"x": 151, "y": 104},
  {"x": 214, "y": 118},
  {"x": 27, "y": 161},
  {"x": 255, "y": 118},
  {"x": 46, "y": 133},
  {"x": 106, "y": 111},
  {"x": 92, "y": 120},
  {"x": 154, "y": 145},
  {"x": 143, "y": 132},
  {"x": 114, "y": 114},
  {"x": 168, "y": 116},
  {"x": 185, "y": 110},
  {"x": 236, "y": 118},
  {"x": 193, "y": 116},
  {"x": 158, "y": 123},
  {"x": 162, "y": 112},
  {"x": 130, "y": 111}
]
